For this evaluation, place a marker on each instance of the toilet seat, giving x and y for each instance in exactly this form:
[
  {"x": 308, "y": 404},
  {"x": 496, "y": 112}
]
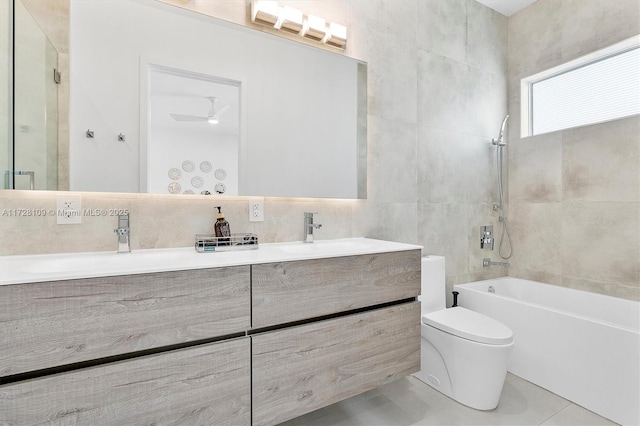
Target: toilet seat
[{"x": 469, "y": 325}]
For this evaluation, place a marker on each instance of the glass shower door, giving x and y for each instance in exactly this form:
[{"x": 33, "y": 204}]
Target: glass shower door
[{"x": 35, "y": 131}]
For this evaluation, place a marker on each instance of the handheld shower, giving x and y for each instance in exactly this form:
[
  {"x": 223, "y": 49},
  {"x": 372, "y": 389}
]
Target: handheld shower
[{"x": 500, "y": 141}]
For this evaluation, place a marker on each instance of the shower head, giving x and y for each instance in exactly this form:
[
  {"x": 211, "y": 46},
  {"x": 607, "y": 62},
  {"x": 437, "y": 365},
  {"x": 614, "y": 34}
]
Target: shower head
[{"x": 500, "y": 141}]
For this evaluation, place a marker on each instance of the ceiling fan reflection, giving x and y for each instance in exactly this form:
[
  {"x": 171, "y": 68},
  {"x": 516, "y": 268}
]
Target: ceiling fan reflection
[{"x": 213, "y": 117}]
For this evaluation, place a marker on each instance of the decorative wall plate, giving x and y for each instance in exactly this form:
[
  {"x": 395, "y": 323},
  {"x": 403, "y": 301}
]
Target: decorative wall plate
[
  {"x": 220, "y": 188},
  {"x": 220, "y": 174},
  {"x": 188, "y": 166},
  {"x": 174, "y": 188},
  {"x": 175, "y": 173},
  {"x": 197, "y": 181}
]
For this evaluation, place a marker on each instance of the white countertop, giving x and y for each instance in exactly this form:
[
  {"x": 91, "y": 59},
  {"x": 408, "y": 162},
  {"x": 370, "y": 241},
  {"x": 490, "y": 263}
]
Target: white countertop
[{"x": 55, "y": 267}]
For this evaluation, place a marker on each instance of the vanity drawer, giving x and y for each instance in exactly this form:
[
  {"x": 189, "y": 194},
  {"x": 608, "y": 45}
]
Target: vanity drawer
[
  {"x": 291, "y": 291},
  {"x": 204, "y": 385},
  {"x": 300, "y": 369},
  {"x": 55, "y": 323}
]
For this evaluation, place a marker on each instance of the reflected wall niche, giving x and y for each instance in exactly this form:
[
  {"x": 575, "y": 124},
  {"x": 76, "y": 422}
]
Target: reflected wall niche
[{"x": 193, "y": 133}]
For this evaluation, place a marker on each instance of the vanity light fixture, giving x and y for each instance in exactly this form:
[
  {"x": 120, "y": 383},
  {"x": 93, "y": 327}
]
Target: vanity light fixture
[
  {"x": 289, "y": 19},
  {"x": 314, "y": 27},
  {"x": 293, "y": 20},
  {"x": 265, "y": 12},
  {"x": 337, "y": 35}
]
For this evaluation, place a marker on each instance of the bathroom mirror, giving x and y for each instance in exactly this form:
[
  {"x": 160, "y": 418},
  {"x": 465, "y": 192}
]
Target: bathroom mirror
[{"x": 294, "y": 123}]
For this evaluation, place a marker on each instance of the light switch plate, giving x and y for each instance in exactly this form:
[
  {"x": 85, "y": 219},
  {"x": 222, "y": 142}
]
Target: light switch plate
[
  {"x": 256, "y": 209},
  {"x": 69, "y": 210}
]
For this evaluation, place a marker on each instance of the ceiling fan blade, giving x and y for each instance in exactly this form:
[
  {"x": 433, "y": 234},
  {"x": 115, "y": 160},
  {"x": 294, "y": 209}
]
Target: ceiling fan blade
[
  {"x": 183, "y": 117},
  {"x": 219, "y": 113}
]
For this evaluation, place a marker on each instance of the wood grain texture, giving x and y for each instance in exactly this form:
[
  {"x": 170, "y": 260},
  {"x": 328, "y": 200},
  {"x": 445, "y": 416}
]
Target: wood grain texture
[
  {"x": 291, "y": 291},
  {"x": 55, "y": 323},
  {"x": 300, "y": 369},
  {"x": 201, "y": 385}
]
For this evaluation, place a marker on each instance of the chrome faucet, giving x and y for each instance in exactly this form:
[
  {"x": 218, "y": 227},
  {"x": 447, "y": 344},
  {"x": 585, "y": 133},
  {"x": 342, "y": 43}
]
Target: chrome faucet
[
  {"x": 124, "y": 244},
  {"x": 309, "y": 226},
  {"x": 487, "y": 262}
]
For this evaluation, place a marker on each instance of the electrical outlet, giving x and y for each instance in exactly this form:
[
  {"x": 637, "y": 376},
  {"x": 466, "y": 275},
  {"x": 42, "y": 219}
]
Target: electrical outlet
[
  {"x": 256, "y": 209},
  {"x": 69, "y": 210}
]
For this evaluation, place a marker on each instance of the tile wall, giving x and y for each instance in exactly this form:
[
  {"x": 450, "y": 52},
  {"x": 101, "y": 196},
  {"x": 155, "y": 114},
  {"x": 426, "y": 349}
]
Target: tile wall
[
  {"x": 438, "y": 91},
  {"x": 574, "y": 195}
]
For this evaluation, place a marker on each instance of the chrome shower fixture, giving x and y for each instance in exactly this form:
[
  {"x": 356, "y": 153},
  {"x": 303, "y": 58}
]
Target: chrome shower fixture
[{"x": 500, "y": 141}]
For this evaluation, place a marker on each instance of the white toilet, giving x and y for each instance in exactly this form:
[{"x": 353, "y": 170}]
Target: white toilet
[{"x": 463, "y": 353}]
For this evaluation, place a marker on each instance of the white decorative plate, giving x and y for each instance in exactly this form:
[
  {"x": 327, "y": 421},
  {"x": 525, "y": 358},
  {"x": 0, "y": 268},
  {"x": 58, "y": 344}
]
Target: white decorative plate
[
  {"x": 175, "y": 173},
  {"x": 206, "y": 167},
  {"x": 197, "y": 181},
  {"x": 220, "y": 174},
  {"x": 175, "y": 188},
  {"x": 188, "y": 166},
  {"x": 220, "y": 188}
]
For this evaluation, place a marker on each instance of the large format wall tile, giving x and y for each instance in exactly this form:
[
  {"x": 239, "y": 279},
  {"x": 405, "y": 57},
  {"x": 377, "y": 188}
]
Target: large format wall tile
[
  {"x": 456, "y": 167},
  {"x": 534, "y": 38},
  {"x": 601, "y": 241},
  {"x": 600, "y": 162},
  {"x": 443, "y": 230},
  {"x": 535, "y": 169},
  {"x": 590, "y": 25},
  {"x": 486, "y": 39},
  {"x": 443, "y": 95},
  {"x": 386, "y": 221},
  {"x": 536, "y": 229},
  {"x": 392, "y": 161},
  {"x": 442, "y": 28}
]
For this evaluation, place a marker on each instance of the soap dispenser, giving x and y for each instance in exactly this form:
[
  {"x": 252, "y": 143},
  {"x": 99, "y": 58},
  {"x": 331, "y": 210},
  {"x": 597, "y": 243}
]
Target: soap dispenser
[{"x": 221, "y": 227}]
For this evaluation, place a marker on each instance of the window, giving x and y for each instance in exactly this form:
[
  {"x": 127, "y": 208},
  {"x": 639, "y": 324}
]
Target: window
[{"x": 602, "y": 86}]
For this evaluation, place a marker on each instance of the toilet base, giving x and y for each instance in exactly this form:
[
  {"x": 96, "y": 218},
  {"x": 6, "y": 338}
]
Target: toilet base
[{"x": 475, "y": 372}]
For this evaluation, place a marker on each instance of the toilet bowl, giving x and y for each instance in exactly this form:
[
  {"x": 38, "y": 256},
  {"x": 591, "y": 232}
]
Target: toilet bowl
[{"x": 464, "y": 354}]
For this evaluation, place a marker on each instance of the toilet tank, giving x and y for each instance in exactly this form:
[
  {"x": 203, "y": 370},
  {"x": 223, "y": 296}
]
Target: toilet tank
[{"x": 433, "y": 289}]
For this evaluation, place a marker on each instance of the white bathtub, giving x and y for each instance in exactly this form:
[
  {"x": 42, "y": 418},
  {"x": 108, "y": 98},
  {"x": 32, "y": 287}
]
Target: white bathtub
[{"x": 582, "y": 346}]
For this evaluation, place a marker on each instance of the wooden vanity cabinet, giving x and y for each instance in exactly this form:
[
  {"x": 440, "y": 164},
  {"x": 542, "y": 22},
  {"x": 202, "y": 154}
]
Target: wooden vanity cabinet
[
  {"x": 203, "y": 385},
  {"x": 300, "y": 369},
  {"x": 371, "y": 337},
  {"x": 49, "y": 324},
  {"x": 254, "y": 344},
  {"x": 292, "y": 291}
]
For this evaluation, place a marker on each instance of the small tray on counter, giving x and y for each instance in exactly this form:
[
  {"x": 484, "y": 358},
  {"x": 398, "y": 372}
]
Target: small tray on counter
[{"x": 210, "y": 243}]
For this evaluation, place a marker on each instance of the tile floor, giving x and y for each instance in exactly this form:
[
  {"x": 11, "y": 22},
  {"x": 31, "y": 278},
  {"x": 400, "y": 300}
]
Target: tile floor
[{"x": 408, "y": 401}]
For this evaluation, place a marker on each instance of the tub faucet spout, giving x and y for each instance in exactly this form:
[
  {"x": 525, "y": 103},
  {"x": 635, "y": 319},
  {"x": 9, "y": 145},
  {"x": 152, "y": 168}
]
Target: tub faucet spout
[{"x": 487, "y": 262}]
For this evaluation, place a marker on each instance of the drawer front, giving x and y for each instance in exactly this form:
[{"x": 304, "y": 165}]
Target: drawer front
[
  {"x": 291, "y": 291},
  {"x": 303, "y": 368},
  {"x": 203, "y": 385},
  {"x": 55, "y": 323}
]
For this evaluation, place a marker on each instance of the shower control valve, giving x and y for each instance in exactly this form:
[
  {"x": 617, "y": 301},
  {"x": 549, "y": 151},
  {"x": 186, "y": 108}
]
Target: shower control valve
[{"x": 486, "y": 237}]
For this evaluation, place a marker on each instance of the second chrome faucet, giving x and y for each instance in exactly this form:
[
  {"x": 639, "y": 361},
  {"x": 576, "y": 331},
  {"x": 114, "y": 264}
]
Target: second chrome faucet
[
  {"x": 122, "y": 231},
  {"x": 309, "y": 226}
]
